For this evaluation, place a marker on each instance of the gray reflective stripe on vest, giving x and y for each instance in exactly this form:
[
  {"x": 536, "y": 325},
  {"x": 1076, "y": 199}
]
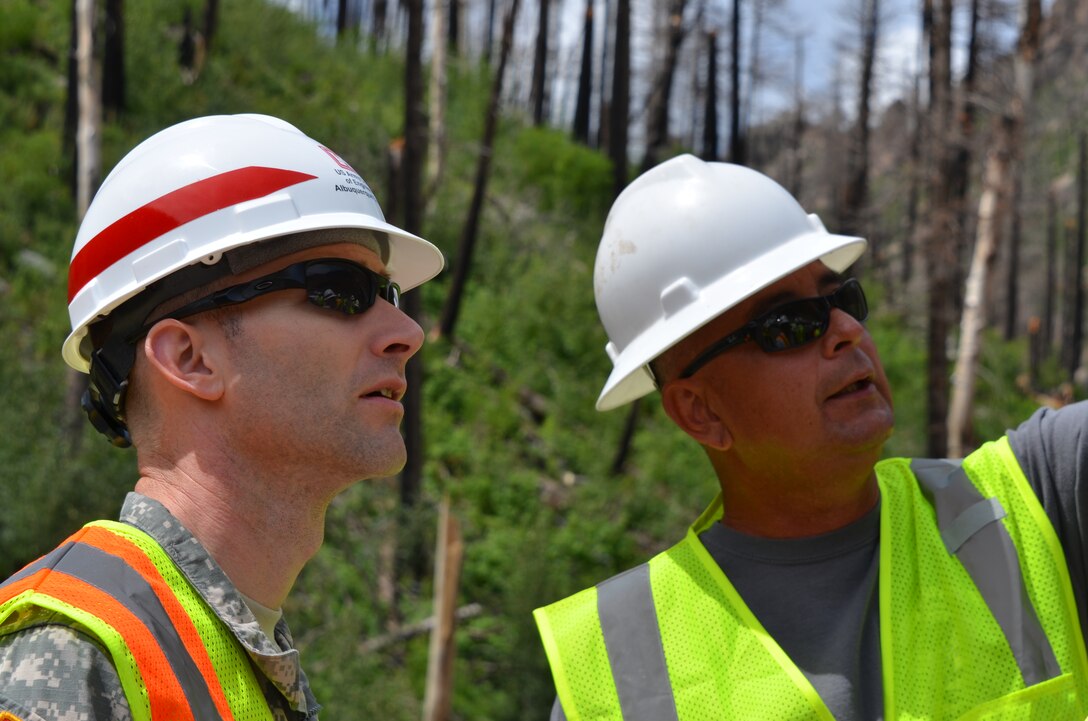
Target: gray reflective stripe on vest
[
  {"x": 970, "y": 528},
  {"x": 113, "y": 576},
  {"x": 45, "y": 561},
  {"x": 632, "y": 638}
]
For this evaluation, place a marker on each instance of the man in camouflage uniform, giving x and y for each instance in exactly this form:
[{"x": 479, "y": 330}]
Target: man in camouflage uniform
[
  {"x": 37, "y": 663},
  {"x": 234, "y": 296}
]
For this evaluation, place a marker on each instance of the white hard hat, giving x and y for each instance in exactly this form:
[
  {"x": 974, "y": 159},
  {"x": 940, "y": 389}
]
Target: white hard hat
[
  {"x": 683, "y": 243},
  {"x": 206, "y": 186}
]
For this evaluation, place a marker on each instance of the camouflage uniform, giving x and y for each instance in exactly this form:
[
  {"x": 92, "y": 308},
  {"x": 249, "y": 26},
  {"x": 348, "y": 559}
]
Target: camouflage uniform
[{"x": 52, "y": 670}]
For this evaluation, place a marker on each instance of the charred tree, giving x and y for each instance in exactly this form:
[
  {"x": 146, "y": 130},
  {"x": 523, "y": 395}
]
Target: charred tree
[
  {"x": 540, "y": 63},
  {"x": 1049, "y": 288},
  {"x": 914, "y": 164},
  {"x": 88, "y": 171},
  {"x": 436, "y": 148},
  {"x": 998, "y": 195},
  {"x": 341, "y": 19},
  {"x": 942, "y": 244},
  {"x": 856, "y": 194},
  {"x": 415, "y": 138},
  {"x": 795, "y": 169},
  {"x": 190, "y": 48},
  {"x": 959, "y": 165},
  {"x": 380, "y": 19},
  {"x": 1074, "y": 329},
  {"x": 1027, "y": 50},
  {"x": 453, "y": 28},
  {"x": 607, "y": 49},
  {"x": 617, "y": 152},
  {"x": 1012, "y": 275},
  {"x": 710, "y": 109},
  {"x": 89, "y": 126},
  {"x": 483, "y": 171},
  {"x": 113, "y": 60},
  {"x": 211, "y": 22},
  {"x": 489, "y": 39},
  {"x": 657, "y": 132},
  {"x": 755, "y": 77},
  {"x": 992, "y": 207},
  {"x": 738, "y": 146},
  {"x": 619, "y": 104},
  {"x": 71, "y": 101},
  {"x": 580, "y": 130},
  {"x": 623, "y": 448}
]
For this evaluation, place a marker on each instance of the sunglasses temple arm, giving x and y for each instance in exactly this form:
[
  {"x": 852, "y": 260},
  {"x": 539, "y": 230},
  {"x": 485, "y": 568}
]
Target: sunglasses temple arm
[{"x": 714, "y": 350}]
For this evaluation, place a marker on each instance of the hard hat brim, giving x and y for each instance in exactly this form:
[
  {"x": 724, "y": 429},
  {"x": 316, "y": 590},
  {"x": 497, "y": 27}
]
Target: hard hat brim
[
  {"x": 412, "y": 261},
  {"x": 630, "y": 378}
]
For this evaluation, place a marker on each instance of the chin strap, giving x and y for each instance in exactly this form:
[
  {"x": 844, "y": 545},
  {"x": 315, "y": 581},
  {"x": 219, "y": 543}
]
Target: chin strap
[{"x": 104, "y": 399}]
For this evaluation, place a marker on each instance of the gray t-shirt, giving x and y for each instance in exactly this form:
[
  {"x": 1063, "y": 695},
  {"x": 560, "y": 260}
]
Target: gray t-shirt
[{"x": 818, "y": 596}]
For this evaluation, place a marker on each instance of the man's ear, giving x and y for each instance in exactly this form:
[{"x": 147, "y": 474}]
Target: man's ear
[
  {"x": 181, "y": 354},
  {"x": 686, "y": 404}
]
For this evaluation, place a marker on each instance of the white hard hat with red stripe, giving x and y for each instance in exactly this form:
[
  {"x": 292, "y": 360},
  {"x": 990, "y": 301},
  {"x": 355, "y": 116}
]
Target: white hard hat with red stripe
[{"x": 207, "y": 186}]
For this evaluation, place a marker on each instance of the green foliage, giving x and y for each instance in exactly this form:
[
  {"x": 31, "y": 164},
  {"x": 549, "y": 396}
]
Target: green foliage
[
  {"x": 563, "y": 173},
  {"x": 902, "y": 350}
]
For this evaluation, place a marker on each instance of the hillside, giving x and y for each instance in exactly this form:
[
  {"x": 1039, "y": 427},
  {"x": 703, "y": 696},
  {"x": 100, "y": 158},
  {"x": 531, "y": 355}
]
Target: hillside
[{"x": 510, "y": 428}]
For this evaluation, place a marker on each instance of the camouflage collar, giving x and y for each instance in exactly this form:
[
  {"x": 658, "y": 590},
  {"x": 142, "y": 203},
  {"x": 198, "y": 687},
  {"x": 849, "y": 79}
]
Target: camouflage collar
[{"x": 276, "y": 658}]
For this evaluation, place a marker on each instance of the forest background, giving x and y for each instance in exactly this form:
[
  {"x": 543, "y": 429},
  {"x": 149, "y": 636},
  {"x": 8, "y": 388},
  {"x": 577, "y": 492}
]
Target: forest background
[{"x": 966, "y": 171}]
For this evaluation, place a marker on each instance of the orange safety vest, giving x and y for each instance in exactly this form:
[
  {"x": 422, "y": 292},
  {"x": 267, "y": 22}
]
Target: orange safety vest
[{"x": 177, "y": 661}]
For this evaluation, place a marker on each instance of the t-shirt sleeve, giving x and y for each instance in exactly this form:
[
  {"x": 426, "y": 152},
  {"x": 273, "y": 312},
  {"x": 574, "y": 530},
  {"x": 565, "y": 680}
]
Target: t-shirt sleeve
[
  {"x": 1052, "y": 448},
  {"x": 54, "y": 672}
]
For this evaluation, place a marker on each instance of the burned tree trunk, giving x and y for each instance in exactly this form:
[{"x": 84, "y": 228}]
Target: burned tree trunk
[
  {"x": 1074, "y": 329},
  {"x": 856, "y": 194},
  {"x": 540, "y": 62},
  {"x": 1027, "y": 49},
  {"x": 88, "y": 171},
  {"x": 113, "y": 60},
  {"x": 657, "y": 132},
  {"x": 738, "y": 147},
  {"x": 585, "y": 80},
  {"x": 436, "y": 148},
  {"x": 621, "y": 97},
  {"x": 710, "y": 110},
  {"x": 1051, "y": 284},
  {"x": 992, "y": 207},
  {"x": 211, "y": 22},
  {"x": 411, "y": 478},
  {"x": 942, "y": 246},
  {"x": 341, "y": 19},
  {"x": 483, "y": 170}
]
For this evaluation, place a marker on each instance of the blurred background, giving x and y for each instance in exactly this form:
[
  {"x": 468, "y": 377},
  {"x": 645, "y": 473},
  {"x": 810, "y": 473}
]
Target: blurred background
[{"x": 950, "y": 133}]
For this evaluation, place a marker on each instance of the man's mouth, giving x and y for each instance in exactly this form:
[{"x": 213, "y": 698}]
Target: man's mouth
[{"x": 858, "y": 385}]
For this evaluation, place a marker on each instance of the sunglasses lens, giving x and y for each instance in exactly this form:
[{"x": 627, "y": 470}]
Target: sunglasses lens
[
  {"x": 792, "y": 325},
  {"x": 851, "y": 299},
  {"x": 347, "y": 288},
  {"x": 391, "y": 293},
  {"x": 803, "y": 321}
]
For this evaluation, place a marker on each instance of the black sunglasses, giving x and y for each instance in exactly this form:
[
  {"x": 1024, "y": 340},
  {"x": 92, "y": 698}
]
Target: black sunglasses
[
  {"x": 333, "y": 283},
  {"x": 790, "y": 325}
]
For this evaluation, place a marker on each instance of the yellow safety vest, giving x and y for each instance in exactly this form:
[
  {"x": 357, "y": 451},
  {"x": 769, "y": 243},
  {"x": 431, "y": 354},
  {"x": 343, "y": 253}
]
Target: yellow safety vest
[
  {"x": 177, "y": 661},
  {"x": 977, "y": 617}
]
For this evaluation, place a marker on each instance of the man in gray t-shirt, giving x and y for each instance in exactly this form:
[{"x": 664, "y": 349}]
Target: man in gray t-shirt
[{"x": 717, "y": 289}]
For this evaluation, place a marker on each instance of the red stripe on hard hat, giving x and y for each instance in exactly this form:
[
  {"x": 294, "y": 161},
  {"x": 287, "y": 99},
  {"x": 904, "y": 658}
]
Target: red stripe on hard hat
[{"x": 171, "y": 211}]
